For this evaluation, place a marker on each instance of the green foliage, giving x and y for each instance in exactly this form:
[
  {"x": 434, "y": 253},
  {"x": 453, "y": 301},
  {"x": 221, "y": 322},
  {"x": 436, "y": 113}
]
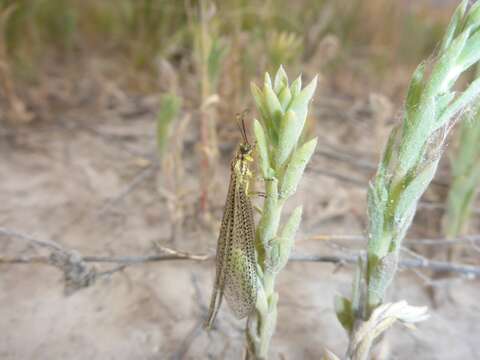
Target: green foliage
[
  {"x": 37, "y": 23},
  {"x": 414, "y": 148},
  {"x": 295, "y": 168},
  {"x": 283, "y": 48},
  {"x": 412, "y": 154},
  {"x": 281, "y": 247},
  {"x": 210, "y": 48},
  {"x": 169, "y": 109},
  {"x": 260, "y": 34},
  {"x": 465, "y": 175},
  {"x": 216, "y": 55},
  {"x": 282, "y": 160},
  {"x": 144, "y": 29},
  {"x": 345, "y": 313},
  {"x": 138, "y": 28}
]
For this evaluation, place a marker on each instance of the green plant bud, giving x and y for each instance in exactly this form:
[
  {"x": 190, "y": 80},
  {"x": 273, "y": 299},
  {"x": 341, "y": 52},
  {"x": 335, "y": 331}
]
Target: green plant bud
[
  {"x": 345, "y": 313},
  {"x": 281, "y": 80},
  {"x": 300, "y": 102},
  {"x": 454, "y": 25},
  {"x": 296, "y": 86},
  {"x": 473, "y": 17},
  {"x": 470, "y": 53},
  {"x": 267, "y": 81},
  {"x": 446, "y": 70},
  {"x": 262, "y": 148},
  {"x": 468, "y": 97},
  {"x": 273, "y": 105},
  {"x": 264, "y": 112}
]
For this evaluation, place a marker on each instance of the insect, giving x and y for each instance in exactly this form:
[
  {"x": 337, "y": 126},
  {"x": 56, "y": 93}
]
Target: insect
[{"x": 236, "y": 276}]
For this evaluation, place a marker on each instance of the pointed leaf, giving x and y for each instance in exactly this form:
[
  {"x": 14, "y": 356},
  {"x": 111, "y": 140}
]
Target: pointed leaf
[
  {"x": 415, "y": 90},
  {"x": 281, "y": 247},
  {"x": 281, "y": 80},
  {"x": 273, "y": 104},
  {"x": 296, "y": 167},
  {"x": 414, "y": 190},
  {"x": 299, "y": 104},
  {"x": 291, "y": 226},
  {"x": 288, "y": 137},
  {"x": 381, "y": 277},
  {"x": 284, "y": 97},
  {"x": 267, "y": 82},
  {"x": 263, "y": 109},
  {"x": 262, "y": 147},
  {"x": 345, "y": 314},
  {"x": 454, "y": 24},
  {"x": 296, "y": 86}
]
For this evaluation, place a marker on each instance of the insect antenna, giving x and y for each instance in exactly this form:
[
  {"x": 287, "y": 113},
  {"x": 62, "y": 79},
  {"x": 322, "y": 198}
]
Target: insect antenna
[{"x": 241, "y": 125}]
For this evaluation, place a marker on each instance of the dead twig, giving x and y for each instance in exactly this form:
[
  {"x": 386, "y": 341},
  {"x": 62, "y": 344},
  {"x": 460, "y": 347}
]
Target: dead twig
[
  {"x": 42, "y": 243},
  {"x": 472, "y": 239},
  {"x": 78, "y": 275}
]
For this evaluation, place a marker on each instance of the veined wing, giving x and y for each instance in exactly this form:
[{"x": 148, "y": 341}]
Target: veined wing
[
  {"x": 224, "y": 245},
  {"x": 240, "y": 271}
]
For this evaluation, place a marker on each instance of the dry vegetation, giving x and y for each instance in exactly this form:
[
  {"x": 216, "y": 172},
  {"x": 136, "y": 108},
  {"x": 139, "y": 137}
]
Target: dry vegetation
[{"x": 116, "y": 130}]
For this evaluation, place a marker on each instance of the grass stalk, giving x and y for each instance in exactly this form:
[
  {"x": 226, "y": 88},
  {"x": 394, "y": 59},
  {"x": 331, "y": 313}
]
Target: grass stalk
[
  {"x": 465, "y": 166},
  {"x": 168, "y": 112},
  {"x": 465, "y": 179},
  {"x": 209, "y": 53},
  {"x": 282, "y": 160}
]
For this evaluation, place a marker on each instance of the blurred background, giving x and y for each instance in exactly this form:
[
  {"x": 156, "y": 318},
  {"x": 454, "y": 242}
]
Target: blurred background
[{"x": 117, "y": 126}]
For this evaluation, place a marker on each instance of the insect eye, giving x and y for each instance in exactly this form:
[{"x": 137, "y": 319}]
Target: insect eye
[{"x": 245, "y": 148}]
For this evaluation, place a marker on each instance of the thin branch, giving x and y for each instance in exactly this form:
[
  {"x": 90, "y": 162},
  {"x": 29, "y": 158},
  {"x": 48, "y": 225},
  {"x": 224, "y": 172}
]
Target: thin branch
[
  {"x": 359, "y": 162},
  {"x": 363, "y": 184},
  {"x": 472, "y": 239},
  {"x": 43, "y": 243},
  {"x": 76, "y": 272},
  {"x": 432, "y": 265}
]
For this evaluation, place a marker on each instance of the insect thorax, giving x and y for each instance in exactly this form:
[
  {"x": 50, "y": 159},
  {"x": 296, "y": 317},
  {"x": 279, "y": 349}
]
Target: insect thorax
[{"x": 241, "y": 163}]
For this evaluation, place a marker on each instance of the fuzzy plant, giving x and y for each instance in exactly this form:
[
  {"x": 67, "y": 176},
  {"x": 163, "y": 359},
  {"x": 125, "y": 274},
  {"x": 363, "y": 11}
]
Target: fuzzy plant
[
  {"x": 283, "y": 47},
  {"x": 282, "y": 159},
  {"x": 407, "y": 167}
]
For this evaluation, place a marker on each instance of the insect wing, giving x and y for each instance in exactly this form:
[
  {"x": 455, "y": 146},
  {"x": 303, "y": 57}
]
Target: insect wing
[
  {"x": 223, "y": 248},
  {"x": 240, "y": 269}
]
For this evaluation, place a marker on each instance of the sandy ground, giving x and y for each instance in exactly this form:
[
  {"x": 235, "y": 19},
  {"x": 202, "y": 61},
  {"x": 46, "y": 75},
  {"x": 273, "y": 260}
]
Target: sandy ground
[{"x": 55, "y": 182}]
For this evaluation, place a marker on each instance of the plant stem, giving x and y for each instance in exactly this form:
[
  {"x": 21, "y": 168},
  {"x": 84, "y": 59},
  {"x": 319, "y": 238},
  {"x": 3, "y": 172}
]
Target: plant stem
[
  {"x": 265, "y": 317},
  {"x": 408, "y": 165},
  {"x": 282, "y": 161}
]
